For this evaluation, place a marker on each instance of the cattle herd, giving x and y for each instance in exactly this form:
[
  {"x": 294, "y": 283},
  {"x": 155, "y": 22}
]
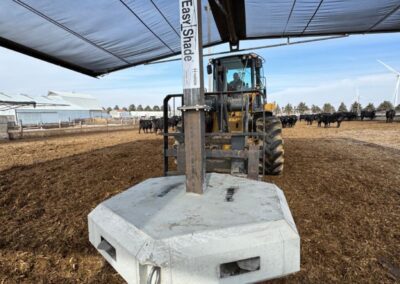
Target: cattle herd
[
  {"x": 326, "y": 119},
  {"x": 156, "y": 125}
]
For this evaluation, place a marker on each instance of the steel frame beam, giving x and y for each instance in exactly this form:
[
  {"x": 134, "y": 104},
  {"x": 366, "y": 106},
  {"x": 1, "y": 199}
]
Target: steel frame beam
[
  {"x": 193, "y": 94},
  {"x": 229, "y": 16}
]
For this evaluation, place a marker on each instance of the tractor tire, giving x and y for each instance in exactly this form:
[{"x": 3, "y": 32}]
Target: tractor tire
[
  {"x": 179, "y": 129},
  {"x": 272, "y": 143}
]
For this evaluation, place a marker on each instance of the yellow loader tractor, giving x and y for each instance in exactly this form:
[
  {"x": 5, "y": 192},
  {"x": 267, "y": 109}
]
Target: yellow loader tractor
[{"x": 242, "y": 134}]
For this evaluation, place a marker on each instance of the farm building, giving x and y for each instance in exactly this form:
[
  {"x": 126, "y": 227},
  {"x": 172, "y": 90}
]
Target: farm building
[
  {"x": 120, "y": 114},
  {"x": 150, "y": 114},
  {"x": 83, "y": 101},
  {"x": 54, "y": 108},
  {"x": 140, "y": 114},
  {"x": 146, "y": 114}
]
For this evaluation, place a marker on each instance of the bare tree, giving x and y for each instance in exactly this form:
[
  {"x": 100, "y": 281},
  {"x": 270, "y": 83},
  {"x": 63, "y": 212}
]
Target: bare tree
[
  {"x": 385, "y": 105},
  {"x": 370, "y": 107},
  {"x": 288, "y": 109},
  {"x": 327, "y": 107},
  {"x": 356, "y": 107},
  {"x": 302, "y": 107},
  {"x": 315, "y": 109},
  {"x": 278, "y": 109},
  {"x": 342, "y": 107}
]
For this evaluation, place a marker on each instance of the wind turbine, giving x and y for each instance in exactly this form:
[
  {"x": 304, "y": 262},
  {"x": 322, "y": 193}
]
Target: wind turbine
[
  {"x": 396, "y": 90},
  {"x": 358, "y": 100}
]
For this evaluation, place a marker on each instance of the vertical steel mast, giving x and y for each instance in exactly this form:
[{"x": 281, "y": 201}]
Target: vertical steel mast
[{"x": 193, "y": 94}]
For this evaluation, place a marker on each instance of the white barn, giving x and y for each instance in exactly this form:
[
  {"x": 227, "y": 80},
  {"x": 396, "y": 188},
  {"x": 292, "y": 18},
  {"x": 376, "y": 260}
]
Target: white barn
[
  {"x": 120, "y": 114},
  {"x": 54, "y": 108},
  {"x": 146, "y": 114},
  {"x": 150, "y": 114}
]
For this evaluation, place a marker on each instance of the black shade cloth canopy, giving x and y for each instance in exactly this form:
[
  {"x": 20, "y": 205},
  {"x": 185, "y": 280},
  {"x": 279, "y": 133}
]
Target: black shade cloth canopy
[{"x": 95, "y": 37}]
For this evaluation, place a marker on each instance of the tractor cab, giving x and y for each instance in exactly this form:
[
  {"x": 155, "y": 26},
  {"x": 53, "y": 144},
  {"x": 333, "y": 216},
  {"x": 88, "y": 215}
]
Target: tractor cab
[
  {"x": 238, "y": 73},
  {"x": 238, "y": 96}
]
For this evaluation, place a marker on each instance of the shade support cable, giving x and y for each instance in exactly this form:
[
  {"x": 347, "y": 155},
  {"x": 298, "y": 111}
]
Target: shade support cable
[
  {"x": 316, "y": 11},
  {"x": 165, "y": 18},
  {"x": 384, "y": 18},
  {"x": 290, "y": 16},
  {"x": 144, "y": 24}
]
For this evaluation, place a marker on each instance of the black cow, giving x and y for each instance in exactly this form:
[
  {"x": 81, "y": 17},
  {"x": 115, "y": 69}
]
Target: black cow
[
  {"x": 294, "y": 117},
  {"x": 368, "y": 114},
  {"x": 284, "y": 121},
  {"x": 348, "y": 115},
  {"x": 158, "y": 124},
  {"x": 323, "y": 118},
  {"x": 309, "y": 118},
  {"x": 146, "y": 125},
  {"x": 328, "y": 118},
  {"x": 288, "y": 120},
  {"x": 173, "y": 121},
  {"x": 390, "y": 114}
]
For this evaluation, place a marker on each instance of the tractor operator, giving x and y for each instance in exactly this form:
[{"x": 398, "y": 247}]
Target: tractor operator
[{"x": 236, "y": 84}]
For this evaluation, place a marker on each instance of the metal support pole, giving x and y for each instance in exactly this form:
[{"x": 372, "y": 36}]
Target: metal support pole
[
  {"x": 208, "y": 9},
  {"x": 193, "y": 93},
  {"x": 173, "y": 106}
]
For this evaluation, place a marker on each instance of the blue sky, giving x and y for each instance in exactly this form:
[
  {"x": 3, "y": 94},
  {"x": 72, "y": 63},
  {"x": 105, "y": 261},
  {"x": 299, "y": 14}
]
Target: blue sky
[{"x": 326, "y": 71}]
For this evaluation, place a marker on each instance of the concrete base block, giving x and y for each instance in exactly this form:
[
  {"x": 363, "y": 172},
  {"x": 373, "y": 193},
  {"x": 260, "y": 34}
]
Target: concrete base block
[{"x": 238, "y": 231}]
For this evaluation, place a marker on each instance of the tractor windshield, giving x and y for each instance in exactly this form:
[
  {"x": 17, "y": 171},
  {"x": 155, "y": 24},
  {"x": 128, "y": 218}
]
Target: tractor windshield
[
  {"x": 234, "y": 74},
  {"x": 238, "y": 79}
]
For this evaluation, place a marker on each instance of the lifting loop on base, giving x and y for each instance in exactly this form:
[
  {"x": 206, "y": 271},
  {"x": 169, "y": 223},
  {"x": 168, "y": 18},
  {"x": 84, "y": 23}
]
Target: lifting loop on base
[{"x": 155, "y": 270}]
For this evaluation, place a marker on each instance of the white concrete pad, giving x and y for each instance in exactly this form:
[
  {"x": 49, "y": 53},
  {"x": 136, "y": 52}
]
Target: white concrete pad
[{"x": 198, "y": 238}]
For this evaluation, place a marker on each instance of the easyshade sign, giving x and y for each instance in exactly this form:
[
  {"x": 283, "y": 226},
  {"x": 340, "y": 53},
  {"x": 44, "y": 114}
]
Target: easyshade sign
[{"x": 190, "y": 44}]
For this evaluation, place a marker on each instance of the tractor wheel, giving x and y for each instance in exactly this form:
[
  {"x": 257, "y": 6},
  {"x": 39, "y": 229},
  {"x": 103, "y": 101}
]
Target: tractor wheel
[
  {"x": 273, "y": 145},
  {"x": 179, "y": 129}
]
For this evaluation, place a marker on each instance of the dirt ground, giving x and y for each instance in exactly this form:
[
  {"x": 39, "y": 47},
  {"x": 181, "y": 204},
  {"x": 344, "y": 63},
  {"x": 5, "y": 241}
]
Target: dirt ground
[{"x": 342, "y": 185}]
